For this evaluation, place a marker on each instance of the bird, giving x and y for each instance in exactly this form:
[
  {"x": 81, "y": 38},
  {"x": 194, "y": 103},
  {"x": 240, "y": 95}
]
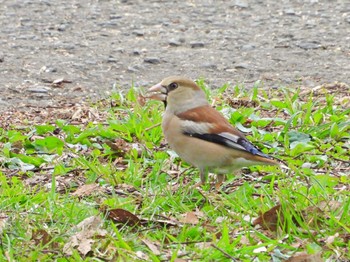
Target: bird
[{"x": 201, "y": 135}]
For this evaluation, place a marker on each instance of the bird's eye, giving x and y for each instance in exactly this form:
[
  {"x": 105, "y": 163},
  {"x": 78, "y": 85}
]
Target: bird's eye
[{"x": 172, "y": 86}]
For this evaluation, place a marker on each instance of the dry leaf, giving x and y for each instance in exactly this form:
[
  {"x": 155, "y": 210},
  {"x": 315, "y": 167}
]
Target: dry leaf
[
  {"x": 120, "y": 146},
  {"x": 180, "y": 260},
  {"x": 142, "y": 255},
  {"x": 259, "y": 250},
  {"x": 119, "y": 215},
  {"x": 77, "y": 114},
  {"x": 330, "y": 206},
  {"x": 190, "y": 218},
  {"x": 303, "y": 257},
  {"x": 84, "y": 239},
  {"x": 312, "y": 216},
  {"x": 3, "y": 220},
  {"x": 141, "y": 100},
  {"x": 93, "y": 222},
  {"x": 41, "y": 237},
  {"x": 331, "y": 239},
  {"x": 86, "y": 190},
  {"x": 152, "y": 246},
  {"x": 269, "y": 220},
  {"x": 203, "y": 245},
  {"x": 162, "y": 222}
]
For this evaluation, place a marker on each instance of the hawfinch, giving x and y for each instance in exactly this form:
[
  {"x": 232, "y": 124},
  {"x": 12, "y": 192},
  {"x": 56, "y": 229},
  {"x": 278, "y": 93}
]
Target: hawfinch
[{"x": 201, "y": 135}]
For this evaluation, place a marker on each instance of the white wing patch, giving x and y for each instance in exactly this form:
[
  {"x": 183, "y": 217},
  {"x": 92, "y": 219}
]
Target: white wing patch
[
  {"x": 232, "y": 140},
  {"x": 192, "y": 127}
]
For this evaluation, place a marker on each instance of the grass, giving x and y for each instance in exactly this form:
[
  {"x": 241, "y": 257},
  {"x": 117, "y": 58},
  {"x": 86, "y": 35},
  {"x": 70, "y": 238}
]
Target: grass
[{"x": 98, "y": 183}]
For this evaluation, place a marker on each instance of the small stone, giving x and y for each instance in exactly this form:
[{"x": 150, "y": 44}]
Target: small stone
[
  {"x": 136, "y": 52},
  {"x": 209, "y": 66},
  {"x": 133, "y": 69},
  {"x": 112, "y": 60},
  {"x": 152, "y": 60},
  {"x": 38, "y": 89},
  {"x": 62, "y": 28},
  {"x": 196, "y": 44},
  {"x": 174, "y": 42},
  {"x": 138, "y": 33},
  {"x": 114, "y": 16},
  {"x": 309, "y": 45},
  {"x": 48, "y": 69},
  {"x": 289, "y": 12},
  {"x": 347, "y": 19},
  {"x": 241, "y": 66},
  {"x": 240, "y": 4},
  {"x": 248, "y": 47}
]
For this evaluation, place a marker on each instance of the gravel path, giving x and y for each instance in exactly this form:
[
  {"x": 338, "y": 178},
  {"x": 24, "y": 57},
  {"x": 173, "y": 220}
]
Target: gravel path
[{"x": 56, "y": 53}]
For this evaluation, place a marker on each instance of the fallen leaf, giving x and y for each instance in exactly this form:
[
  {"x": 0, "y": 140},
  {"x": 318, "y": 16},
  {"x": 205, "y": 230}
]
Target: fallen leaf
[
  {"x": 84, "y": 239},
  {"x": 141, "y": 100},
  {"x": 142, "y": 255},
  {"x": 189, "y": 218},
  {"x": 331, "y": 239},
  {"x": 162, "y": 222},
  {"x": 41, "y": 237},
  {"x": 3, "y": 221},
  {"x": 303, "y": 257},
  {"x": 152, "y": 246},
  {"x": 180, "y": 260},
  {"x": 312, "y": 216},
  {"x": 330, "y": 206},
  {"x": 259, "y": 250},
  {"x": 93, "y": 222},
  {"x": 203, "y": 245},
  {"x": 120, "y": 146},
  {"x": 77, "y": 114},
  {"x": 119, "y": 215},
  {"x": 86, "y": 190},
  {"x": 85, "y": 244},
  {"x": 269, "y": 220}
]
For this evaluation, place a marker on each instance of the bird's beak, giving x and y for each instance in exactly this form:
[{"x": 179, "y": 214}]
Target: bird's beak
[{"x": 157, "y": 92}]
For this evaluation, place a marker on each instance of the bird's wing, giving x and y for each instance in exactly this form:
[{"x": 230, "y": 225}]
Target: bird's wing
[{"x": 208, "y": 124}]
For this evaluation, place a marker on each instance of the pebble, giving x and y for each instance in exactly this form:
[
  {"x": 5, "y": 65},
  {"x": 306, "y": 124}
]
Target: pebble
[
  {"x": 38, "y": 89},
  {"x": 138, "y": 33},
  {"x": 241, "y": 66},
  {"x": 309, "y": 45},
  {"x": 62, "y": 27},
  {"x": 289, "y": 12},
  {"x": 195, "y": 44},
  {"x": 248, "y": 47},
  {"x": 240, "y": 4},
  {"x": 152, "y": 60},
  {"x": 209, "y": 66},
  {"x": 48, "y": 69},
  {"x": 111, "y": 59},
  {"x": 174, "y": 42},
  {"x": 135, "y": 68}
]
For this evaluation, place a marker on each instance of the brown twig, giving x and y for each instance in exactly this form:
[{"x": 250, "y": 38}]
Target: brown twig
[{"x": 224, "y": 252}]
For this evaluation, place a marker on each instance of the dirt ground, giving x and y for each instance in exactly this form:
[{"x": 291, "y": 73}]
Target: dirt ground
[{"x": 59, "y": 53}]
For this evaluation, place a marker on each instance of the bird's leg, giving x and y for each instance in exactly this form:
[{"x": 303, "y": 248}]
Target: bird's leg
[
  {"x": 203, "y": 175},
  {"x": 220, "y": 180},
  {"x": 203, "y": 172}
]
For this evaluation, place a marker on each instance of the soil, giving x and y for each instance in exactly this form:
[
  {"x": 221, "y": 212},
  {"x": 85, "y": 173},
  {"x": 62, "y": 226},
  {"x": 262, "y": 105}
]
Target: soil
[{"x": 60, "y": 53}]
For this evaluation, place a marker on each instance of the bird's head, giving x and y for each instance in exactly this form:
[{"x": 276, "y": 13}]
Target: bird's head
[{"x": 178, "y": 94}]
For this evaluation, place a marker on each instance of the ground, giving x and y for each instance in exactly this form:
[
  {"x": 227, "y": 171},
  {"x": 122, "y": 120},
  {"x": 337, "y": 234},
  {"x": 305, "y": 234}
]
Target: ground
[{"x": 55, "y": 54}]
